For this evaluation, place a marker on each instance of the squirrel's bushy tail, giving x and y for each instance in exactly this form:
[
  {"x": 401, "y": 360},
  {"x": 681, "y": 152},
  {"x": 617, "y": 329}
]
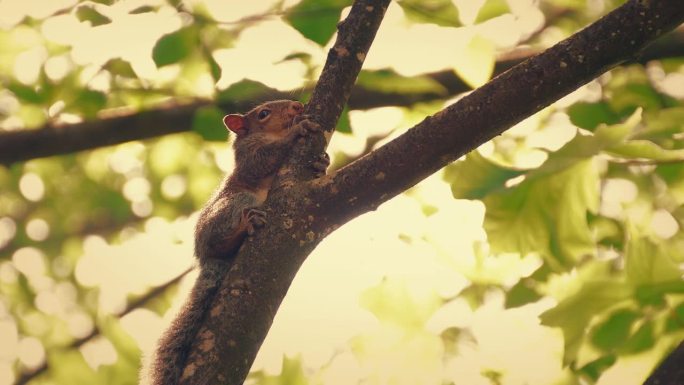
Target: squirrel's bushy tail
[{"x": 174, "y": 346}]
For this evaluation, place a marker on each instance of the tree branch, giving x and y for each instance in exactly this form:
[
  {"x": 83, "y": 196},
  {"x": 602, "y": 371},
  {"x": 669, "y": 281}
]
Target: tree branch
[
  {"x": 135, "y": 304},
  {"x": 171, "y": 118},
  {"x": 488, "y": 111},
  {"x": 671, "y": 370},
  {"x": 231, "y": 335},
  {"x": 302, "y": 214}
]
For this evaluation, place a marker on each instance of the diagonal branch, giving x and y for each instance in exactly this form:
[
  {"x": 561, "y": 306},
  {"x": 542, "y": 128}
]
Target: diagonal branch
[
  {"x": 302, "y": 214},
  {"x": 493, "y": 108},
  {"x": 230, "y": 338},
  {"x": 671, "y": 370},
  {"x": 133, "y": 305}
]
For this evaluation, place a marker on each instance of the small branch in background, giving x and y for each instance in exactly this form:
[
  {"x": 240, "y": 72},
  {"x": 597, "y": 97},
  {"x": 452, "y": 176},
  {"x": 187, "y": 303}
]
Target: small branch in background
[
  {"x": 169, "y": 118},
  {"x": 133, "y": 305},
  {"x": 644, "y": 162}
]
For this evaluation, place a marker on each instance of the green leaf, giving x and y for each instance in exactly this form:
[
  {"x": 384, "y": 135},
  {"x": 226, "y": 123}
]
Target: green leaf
[
  {"x": 392, "y": 303},
  {"x": 673, "y": 175},
  {"x": 516, "y": 222},
  {"x": 583, "y": 147},
  {"x": 663, "y": 123},
  {"x": 525, "y": 291},
  {"x": 301, "y": 56},
  {"x": 215, "y": 37},
  {"x": 245, "y": 90},
  {"x": 142, "y": 9},
  {"x": 69, "y": 367},
  {"x": 613, "y": 332},
  {"x": 440, "y": 12},
  {"x": 645, "y": 149},
  {"x": 26, "y": 93},
  {"x": 675, "y": 319},
  {"x": 608, "y": 232},
  {"x": 572, "y": 235},
  {"x": 214, "y": 67},
  {"x": 208, "y": 123},
  {"x": 595, "y": 368},
  {"x": 476, "y": 64},
  {"x": 521, "y": 294},
  {"x": 454, "y": 337},
  {"x": 121, "y": 68},
  {"x": 642, "y": 340},
  {"x": 84, "y": 13},
  {"x": 316, "y": 19},
  {"x": 89, "y": 102},
  {"x": 631, "y": 96},
  {"x": 491, "y": 9},
  {"x": 293, "y": 371},
  {"x": 574, "y": 313},
  {"x": 654, "y": 293},
  {"x": 547, "y": 212},
  {"x": 476, "y": 176},
  {"x": 648, "y": 262},
  {"x": 590, "y": 115},
  {"x": 545, "y": 215},
  {"x": 388, "y": 81},
  {"x": 32, "y": 116},
  {"x": 175, "y": 46},
  {"x": 344, "y": 123}
]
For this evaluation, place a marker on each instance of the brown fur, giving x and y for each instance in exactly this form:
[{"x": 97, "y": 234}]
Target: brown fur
[{"x": 261, "y": 145}]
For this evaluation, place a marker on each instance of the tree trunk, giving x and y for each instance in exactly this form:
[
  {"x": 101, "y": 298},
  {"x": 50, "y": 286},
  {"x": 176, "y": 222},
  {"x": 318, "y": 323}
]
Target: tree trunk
[{"x": 303, "y": 211}]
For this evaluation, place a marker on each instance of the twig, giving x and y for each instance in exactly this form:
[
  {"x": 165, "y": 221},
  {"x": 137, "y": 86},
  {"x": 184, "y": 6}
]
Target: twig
[{"x": 138, "y": 303}]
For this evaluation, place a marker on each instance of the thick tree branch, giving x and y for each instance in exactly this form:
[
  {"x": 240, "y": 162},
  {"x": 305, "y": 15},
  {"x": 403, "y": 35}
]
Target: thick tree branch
[
  {"x": 671, "y": 370},
  {"x": 302, "y": 214},
  {"x": 52, "y": 140},
  {"x": 491, "y": 109},
  {"x": 243, "y": 310}
]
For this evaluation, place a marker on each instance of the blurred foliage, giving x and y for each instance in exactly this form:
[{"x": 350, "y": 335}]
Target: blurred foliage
[
  {"x": 317, "y": 19},
  {"x": 440, "y": 12},
  {"x": 583, "y": 235}
]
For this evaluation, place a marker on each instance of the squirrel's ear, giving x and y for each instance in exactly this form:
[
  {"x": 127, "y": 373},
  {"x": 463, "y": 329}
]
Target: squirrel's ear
[{"x": 234, "y": 122}]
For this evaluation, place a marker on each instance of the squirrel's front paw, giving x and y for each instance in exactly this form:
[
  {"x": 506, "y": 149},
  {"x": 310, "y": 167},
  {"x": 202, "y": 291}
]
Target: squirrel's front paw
[
  {"x": 321, "y": 164},
  {"x": 303, "y": 125},
  {"x": 254, "y": 219}
]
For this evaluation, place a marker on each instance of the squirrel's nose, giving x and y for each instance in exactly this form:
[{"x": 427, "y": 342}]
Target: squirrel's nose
[{"x": 297, "y": 107}]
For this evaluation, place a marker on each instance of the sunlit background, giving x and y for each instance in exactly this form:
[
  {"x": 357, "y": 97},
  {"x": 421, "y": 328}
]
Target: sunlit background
[{"x": 409, "y": 294}]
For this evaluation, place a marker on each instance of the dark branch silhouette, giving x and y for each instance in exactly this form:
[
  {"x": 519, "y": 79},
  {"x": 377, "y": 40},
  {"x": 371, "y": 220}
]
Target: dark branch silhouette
[
  {"x": 135, "y": 304},
  {"x": 171, "y": 118},
  {"x": 671, "y": 370},
  {"x": 303, "y": 212}
]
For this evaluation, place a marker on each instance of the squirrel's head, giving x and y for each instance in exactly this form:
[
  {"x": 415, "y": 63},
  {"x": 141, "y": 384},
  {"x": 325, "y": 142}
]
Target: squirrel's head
[{"x": 268, "y": 117}]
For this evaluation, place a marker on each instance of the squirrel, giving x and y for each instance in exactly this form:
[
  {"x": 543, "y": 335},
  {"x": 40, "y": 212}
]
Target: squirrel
[{"x": 263, "y": 138}]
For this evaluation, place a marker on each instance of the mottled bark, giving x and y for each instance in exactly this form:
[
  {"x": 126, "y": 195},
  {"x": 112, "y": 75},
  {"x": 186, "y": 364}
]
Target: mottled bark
[
  {"x": 228, "y": 341},
  {"x": 301, "y": 213},
  {"x": 671, "y": 370}
]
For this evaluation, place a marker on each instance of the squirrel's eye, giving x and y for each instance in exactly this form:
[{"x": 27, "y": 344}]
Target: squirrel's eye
[{"x": 263, "y": 114}]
